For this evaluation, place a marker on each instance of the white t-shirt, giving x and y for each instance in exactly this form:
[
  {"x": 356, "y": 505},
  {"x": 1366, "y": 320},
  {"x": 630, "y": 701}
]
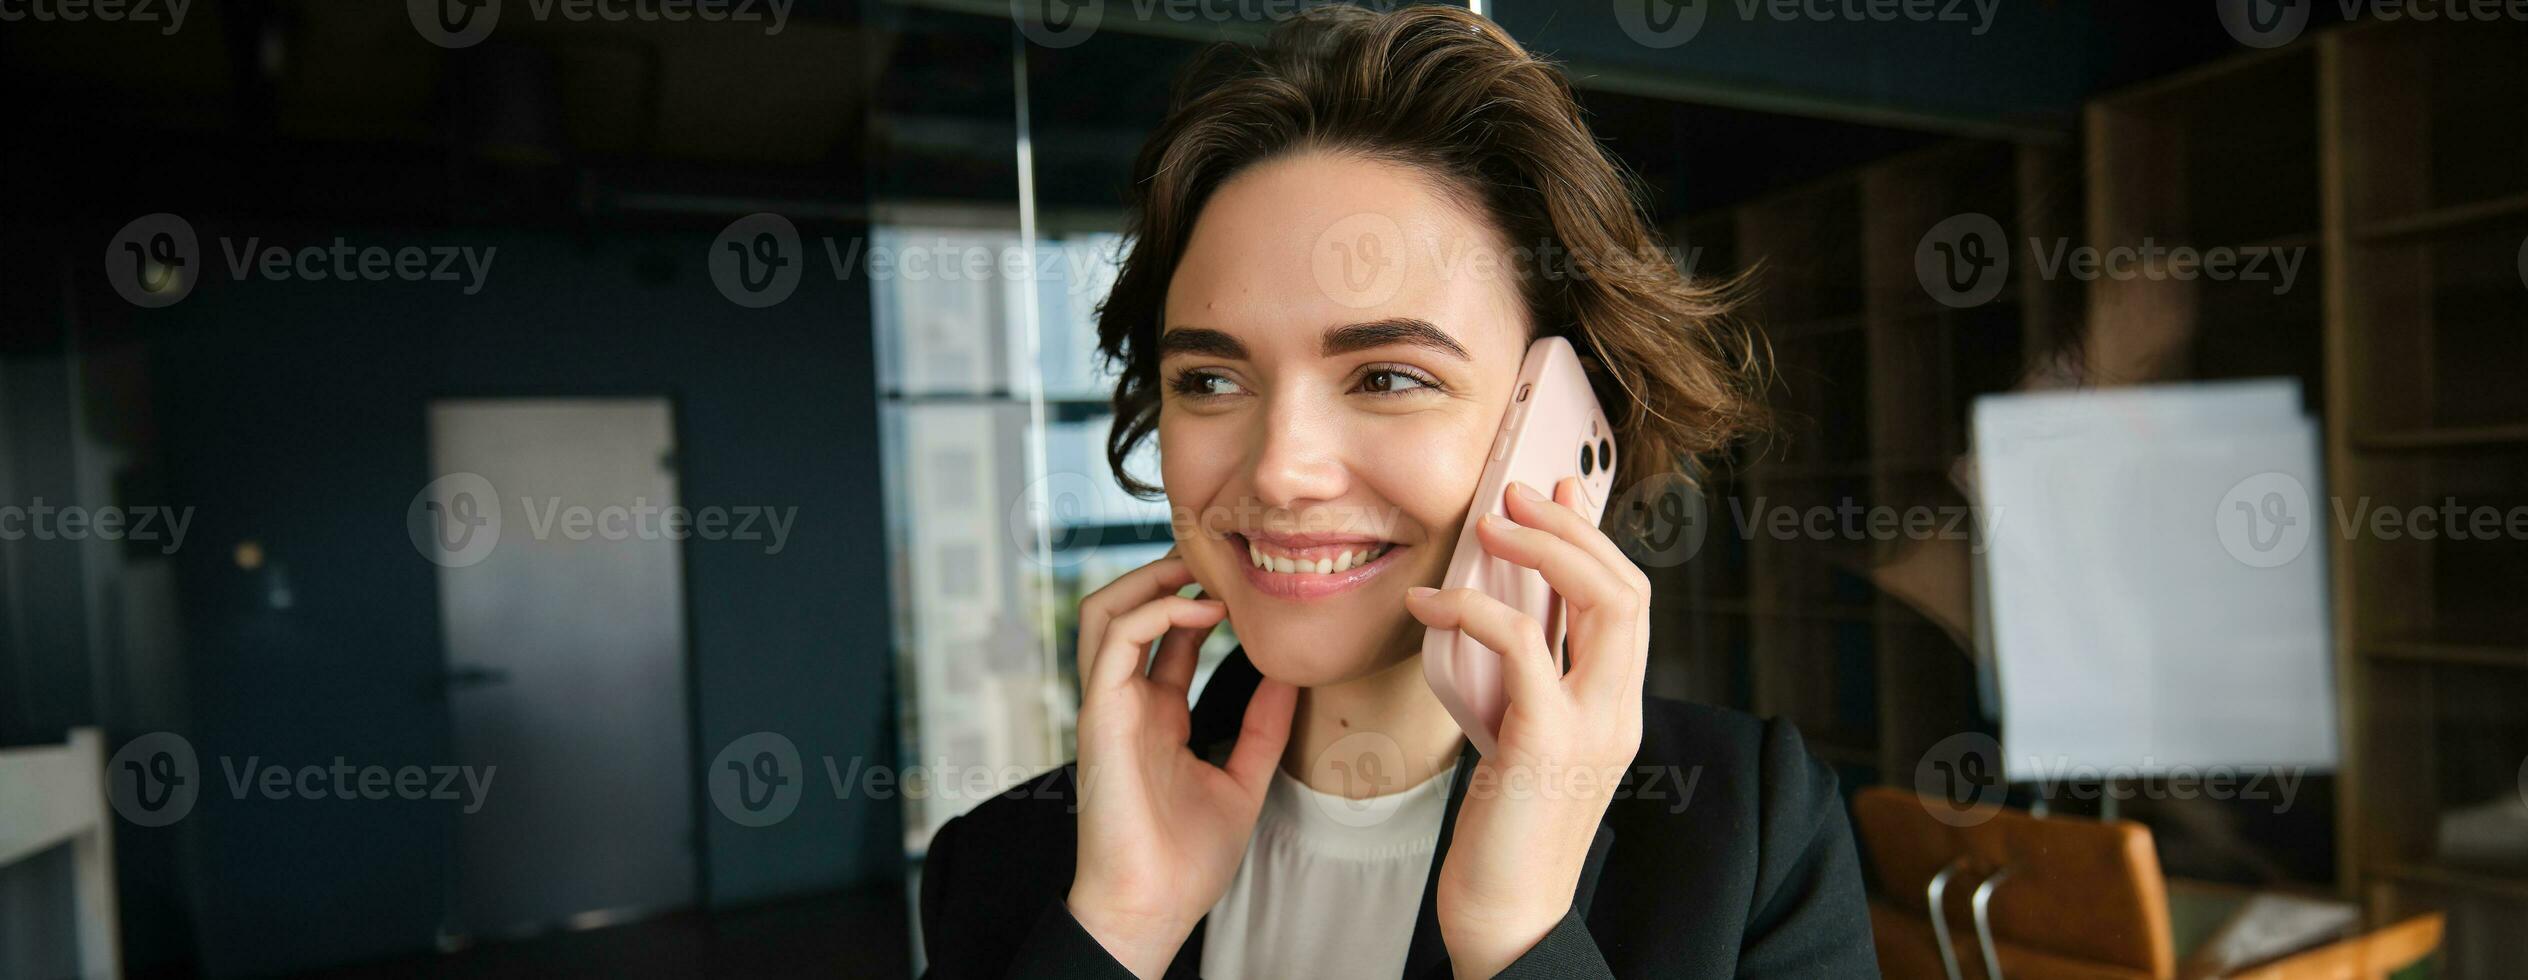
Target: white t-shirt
[{"x": 1330, "y": 887}]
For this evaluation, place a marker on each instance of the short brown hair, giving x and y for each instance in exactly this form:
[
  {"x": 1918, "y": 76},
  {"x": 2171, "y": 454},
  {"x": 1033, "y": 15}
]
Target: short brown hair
[{"x": 1448, "y": 93}]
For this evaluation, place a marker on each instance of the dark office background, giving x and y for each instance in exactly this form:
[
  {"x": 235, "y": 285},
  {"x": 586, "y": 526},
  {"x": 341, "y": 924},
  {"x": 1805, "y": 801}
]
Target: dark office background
[{"x": 600, "y": 160}]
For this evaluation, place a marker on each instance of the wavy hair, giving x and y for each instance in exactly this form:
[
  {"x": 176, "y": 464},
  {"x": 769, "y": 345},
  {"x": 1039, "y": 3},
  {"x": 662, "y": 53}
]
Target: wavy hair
[{"x": 1445, "y": 92}]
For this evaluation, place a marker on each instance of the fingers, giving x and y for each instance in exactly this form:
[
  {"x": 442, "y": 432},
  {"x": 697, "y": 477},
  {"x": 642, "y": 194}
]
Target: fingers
[
  {"x": 1528, "y": 672},
  {"x": 1608, "y": 595},
  {"x": 1575, "y": 574},
  {"x": 1129, "y": 635},
  {"x": 1263, "y": 736},
  {"x": 1128, "y": 591},
  {"x": 1561, "y": 518},
  {"x": 1179, "y": 650}
]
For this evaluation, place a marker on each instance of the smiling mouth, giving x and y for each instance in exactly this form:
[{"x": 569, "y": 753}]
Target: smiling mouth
[
  {"x": 1305, "y": 568},
  {"x": 1321, "y": 560}
]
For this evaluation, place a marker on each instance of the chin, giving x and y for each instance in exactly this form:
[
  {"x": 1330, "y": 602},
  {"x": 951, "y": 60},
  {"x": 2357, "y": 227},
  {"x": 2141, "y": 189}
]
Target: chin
[{"x": 1307, "y": 651}]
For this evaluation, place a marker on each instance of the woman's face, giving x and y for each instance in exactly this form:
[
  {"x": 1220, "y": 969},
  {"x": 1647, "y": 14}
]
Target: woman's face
[{"x": 1338, "y": 347}]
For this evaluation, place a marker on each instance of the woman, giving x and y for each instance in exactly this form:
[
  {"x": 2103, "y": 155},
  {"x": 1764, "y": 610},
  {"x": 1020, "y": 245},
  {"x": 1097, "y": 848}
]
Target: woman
[{"x": 1343, "y": 243}]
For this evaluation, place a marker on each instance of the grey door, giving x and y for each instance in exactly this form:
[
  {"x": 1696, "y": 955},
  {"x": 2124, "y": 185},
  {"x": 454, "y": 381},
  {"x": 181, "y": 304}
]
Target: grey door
[{"x": 562, "y": 601}]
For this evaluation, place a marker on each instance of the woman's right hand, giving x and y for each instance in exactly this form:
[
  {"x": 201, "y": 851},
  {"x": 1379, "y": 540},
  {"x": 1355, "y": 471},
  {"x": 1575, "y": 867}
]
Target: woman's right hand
[{"x": 1161, "y": 830}]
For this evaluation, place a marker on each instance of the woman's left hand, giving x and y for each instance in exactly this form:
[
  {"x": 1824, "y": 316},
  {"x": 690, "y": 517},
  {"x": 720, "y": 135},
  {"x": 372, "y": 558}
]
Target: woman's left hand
[{"x": 1532, "y": 809}]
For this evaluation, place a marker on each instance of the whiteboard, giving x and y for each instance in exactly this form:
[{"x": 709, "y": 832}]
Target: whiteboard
[{"x": 2155, "y": 569}]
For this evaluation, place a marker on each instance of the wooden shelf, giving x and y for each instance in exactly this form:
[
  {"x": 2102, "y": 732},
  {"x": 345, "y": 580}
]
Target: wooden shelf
[
  {"x": 2456, "y": 879},
  {"x": 1871, "y": 375},
  {"x": 2438, "y": 221},
  {"x": 2455, "y": 654},
  {"x": 2450, "y": 437},
  {"x": 2412, "y": 116},
  {"x": 1845, "y": 612}
]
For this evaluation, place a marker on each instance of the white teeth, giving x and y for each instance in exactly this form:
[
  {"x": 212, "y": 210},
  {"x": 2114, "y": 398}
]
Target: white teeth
[{"x": 1343, "y": 561}]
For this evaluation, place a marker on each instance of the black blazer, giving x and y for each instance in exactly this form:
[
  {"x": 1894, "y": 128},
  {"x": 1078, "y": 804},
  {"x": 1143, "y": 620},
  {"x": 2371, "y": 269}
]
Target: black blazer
[{"x": 1725, "y": 853}]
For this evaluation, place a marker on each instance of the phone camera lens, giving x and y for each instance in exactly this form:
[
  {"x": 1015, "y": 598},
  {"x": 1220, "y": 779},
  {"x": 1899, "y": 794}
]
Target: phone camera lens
[
  {"x": 1588, "y": 461},
  {"x": 1606, "y": 454}
]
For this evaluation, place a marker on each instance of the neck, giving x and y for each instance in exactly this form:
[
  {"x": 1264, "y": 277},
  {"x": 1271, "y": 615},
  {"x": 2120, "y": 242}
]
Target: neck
[{"x": 1419, "y": 737}]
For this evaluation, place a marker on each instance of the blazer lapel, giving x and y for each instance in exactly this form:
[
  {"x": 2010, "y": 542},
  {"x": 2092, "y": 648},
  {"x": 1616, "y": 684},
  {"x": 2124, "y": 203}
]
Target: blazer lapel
[{"x": 1218, "y": 715}]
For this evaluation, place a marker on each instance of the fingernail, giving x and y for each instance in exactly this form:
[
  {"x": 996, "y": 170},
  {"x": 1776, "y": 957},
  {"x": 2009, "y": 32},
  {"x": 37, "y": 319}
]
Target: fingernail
[
  {"x": 1496, "y": 521},
  {"x": 1527, "y": 492},
  {"x": 1421, "y": 592}
]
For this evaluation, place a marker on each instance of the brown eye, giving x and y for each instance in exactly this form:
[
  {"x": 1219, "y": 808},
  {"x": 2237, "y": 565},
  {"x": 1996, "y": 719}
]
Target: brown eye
[
  {"x": 1199, "y": 384},
  {"x": 1389, "y": 381}
]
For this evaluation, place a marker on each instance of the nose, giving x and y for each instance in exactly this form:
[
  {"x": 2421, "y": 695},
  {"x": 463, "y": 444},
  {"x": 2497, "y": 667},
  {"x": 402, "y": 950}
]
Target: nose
[{"x": 1299, "y": 457}]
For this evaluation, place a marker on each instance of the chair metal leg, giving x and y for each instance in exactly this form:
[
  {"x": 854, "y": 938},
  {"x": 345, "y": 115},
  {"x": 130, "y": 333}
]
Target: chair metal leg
[
  {"x": 1983, "y": 900},
  {"x": 1939, "y": 889}
]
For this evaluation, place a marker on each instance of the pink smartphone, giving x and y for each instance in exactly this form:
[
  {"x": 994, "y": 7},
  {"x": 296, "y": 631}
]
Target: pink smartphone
[{"x": 1553, "y": 429}]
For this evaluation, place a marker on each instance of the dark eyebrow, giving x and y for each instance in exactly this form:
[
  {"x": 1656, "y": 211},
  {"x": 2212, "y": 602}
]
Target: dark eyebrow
[
  {"x": 1382, "y": 333},
  {"x": 1200, "y": 340}
]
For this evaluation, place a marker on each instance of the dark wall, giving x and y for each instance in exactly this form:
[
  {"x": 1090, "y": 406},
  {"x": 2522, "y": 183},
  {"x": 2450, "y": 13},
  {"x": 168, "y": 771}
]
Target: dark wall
[{"x": 294, "y": 414}]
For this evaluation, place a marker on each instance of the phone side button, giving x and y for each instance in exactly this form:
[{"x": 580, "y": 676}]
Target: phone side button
[{"x": 1501, "y": 442}]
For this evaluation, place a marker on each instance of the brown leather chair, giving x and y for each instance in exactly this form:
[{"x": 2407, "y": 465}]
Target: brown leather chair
[
  {"x": 2068, "y": 898},
  {"x": 2054, "y": 898}
]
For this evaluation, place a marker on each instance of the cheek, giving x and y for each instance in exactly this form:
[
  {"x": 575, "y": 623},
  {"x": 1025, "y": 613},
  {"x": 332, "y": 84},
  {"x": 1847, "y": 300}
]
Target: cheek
[
  {"x": 1429, "y": 470},
  {"x": 1197, "y": 456}
]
